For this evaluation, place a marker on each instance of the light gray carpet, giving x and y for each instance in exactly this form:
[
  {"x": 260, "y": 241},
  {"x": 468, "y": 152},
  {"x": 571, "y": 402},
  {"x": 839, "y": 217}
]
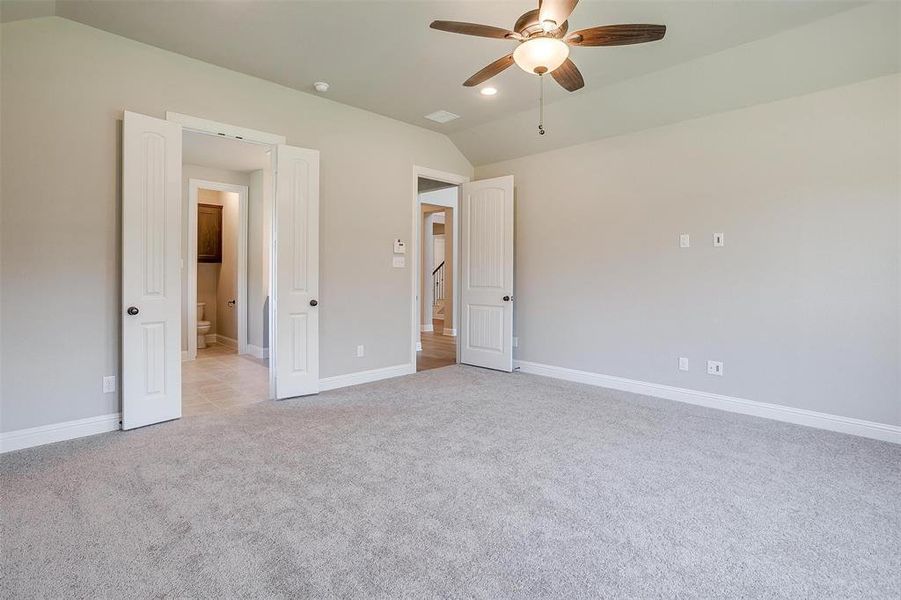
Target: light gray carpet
[{"x": 455, "y": 483}]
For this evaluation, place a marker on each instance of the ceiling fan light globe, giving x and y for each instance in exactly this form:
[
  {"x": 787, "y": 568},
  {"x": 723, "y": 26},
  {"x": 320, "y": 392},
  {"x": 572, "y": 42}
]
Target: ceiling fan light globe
[{"x": 541, "y": 54}]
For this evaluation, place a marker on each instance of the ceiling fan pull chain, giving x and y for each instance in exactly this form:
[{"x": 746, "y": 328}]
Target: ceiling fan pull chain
[{"x": 541, "y": 105}]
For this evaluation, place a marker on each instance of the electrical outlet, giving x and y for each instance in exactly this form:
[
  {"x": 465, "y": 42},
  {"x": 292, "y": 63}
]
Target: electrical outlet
[
  {"x": 719, "y": 240},
  {"x": 684, "y": 240},
  {"x": 361, "y": 351},
  {"x": 714, "y": 367},
  {"x": 515, "y": 342},
  {"x": 109, "y": 384},
  {"x": 683, "y": 363}
]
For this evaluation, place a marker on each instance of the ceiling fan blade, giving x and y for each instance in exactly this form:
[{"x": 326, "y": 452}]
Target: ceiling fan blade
[
  {"x": 474, "y": 29},
  {"x": 616, "y": 35},
  {"x": 557, "y": 11},
  {"x": 568, "y": 76},
  {"x": 490, "y": 71}
]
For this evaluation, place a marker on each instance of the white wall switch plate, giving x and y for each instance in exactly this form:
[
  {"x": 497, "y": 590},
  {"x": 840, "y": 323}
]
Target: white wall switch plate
[
  {"x": 419, "y": 346},
  {"x": 714, "y": 367},
  {"x": 684, "y": 240},
  {"x": 398, "y": 262},
  {"x": 399, "y": 247},
  {"x": 361, "y": 351},
  {"x": 683, "y": 363},
  {"x": 109, "y": 384},
  {"x": 516, "y": 342},
  {"x": 719, "y": 240}
]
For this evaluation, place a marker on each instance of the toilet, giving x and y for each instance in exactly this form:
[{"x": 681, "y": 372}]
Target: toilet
[{"x": 203, "y": 327}]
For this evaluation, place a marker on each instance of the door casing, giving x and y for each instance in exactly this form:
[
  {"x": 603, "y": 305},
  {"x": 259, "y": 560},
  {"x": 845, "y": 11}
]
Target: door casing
[
  {"x": 194, "y": 186},
  {"x": 415, "y": 256}
]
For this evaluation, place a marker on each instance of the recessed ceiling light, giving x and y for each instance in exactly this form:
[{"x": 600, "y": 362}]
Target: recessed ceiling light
[
  {"x": 488, "y": 91},
  {"x": 442, "y": 116}
]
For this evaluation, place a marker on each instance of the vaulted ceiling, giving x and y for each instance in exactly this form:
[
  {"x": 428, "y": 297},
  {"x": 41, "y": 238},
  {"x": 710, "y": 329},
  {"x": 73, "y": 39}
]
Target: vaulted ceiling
[{"x": 382, "y": 56}]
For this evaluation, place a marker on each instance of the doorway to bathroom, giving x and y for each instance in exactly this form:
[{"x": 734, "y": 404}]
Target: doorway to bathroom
[
  {"x": 226, "y": 273},
  {"x": 161, "y": 380}
]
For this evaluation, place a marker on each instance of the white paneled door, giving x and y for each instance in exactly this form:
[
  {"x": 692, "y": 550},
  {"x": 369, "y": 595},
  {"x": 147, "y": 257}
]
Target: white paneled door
[
  {"x": 151, "y": 271},
  {"x": 486, "y": 293},
  {"x": 296, "y": 282}
]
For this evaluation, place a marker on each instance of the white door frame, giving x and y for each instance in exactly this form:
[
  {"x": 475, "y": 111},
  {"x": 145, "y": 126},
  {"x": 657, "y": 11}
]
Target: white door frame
[
  {"x": 194, "y": 186},
  {"x": 415, "y": 320},
  {"x": 271, "y": 140}
]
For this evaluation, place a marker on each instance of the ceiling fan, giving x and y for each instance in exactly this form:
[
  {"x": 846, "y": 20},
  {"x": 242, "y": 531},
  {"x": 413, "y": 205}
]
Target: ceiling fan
[{"x": 544, "y": 43}]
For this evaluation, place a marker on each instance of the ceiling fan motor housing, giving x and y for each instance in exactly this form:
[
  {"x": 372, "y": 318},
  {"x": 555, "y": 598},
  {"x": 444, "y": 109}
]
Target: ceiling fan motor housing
[{"x": 529, "y": 25}]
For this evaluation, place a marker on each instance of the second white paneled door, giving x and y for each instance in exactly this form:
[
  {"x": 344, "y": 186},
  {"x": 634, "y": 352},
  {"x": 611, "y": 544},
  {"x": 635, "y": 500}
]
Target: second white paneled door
[
  {"x": 296, "y": 281},
  {"x": 486, "y": 293}
]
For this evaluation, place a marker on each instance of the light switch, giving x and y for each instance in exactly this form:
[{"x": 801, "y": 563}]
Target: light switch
[{"x": 719, "y": 240}]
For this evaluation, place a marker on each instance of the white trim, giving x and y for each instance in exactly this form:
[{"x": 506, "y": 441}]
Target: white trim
[
  {"x": 257, "y": 351},
  {"x": 427, "y": 328},
  {"x": 194, "y": 185},
  {"x": 450, "y": 332},
  {"x": 340, "y": 381},
  {"x": 206, "y": 126},
  {"x": 456, "y": 179},
  {"x": 59, "y": 432},
  {"x": 777, "y": 412}
]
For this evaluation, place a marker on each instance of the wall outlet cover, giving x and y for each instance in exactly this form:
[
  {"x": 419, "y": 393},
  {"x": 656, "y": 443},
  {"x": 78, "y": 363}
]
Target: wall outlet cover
[
  {"x": 109, "y": 384},
  {"x": 715, "y": 367},
  {"x": 684, "y": 240},
  {"x": 683, "y": 363},
  {"x": 398, "y": 262},
  {"x": 361, "y": 351}
]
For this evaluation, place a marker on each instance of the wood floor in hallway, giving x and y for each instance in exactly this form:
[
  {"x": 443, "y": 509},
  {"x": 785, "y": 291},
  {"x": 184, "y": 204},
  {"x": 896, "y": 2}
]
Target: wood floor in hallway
[{"x": 437, "y": 350}]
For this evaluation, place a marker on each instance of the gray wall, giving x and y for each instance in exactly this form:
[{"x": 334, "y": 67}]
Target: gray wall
[
  {"x": 258, "y": 223},
  {"x": 802, "y": 303},
  {"x": 65, "y": 87}
]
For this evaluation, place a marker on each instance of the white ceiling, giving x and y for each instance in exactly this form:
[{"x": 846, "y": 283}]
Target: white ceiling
[
  {"x": 383, "y": 57},
  {"x": 223, "y": 153}
]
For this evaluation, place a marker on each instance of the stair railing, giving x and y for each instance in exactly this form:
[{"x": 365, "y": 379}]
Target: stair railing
[{"x": 438, "y": 284}]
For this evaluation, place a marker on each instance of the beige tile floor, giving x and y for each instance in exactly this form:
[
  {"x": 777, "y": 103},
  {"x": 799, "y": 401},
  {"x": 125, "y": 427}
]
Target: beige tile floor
[{"x": 220, "y": 380}]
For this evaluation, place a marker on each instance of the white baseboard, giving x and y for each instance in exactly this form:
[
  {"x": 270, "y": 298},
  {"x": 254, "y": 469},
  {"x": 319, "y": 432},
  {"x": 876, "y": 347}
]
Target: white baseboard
[
  {"x": 58, "y": 432},
  {"x": 450, "y": 332},
  {"x": 340, "y": 381},
  {"x": 257, "y": 351},
  {"x": 225, "y": 341},
  {"x": 798, "y": 416},
  {"x": 426, "y": 328}
]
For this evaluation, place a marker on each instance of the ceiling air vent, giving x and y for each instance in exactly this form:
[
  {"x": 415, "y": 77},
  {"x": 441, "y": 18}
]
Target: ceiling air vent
[{"x": 442, "y": 116}]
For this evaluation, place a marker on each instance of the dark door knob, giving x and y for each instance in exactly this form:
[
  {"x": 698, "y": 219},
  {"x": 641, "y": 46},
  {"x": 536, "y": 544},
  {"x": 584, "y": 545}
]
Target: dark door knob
[
  {"x": 314, "y": 302},
  {"x": 507, "y": 298},
  {"x": 132, "y": 310}
]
